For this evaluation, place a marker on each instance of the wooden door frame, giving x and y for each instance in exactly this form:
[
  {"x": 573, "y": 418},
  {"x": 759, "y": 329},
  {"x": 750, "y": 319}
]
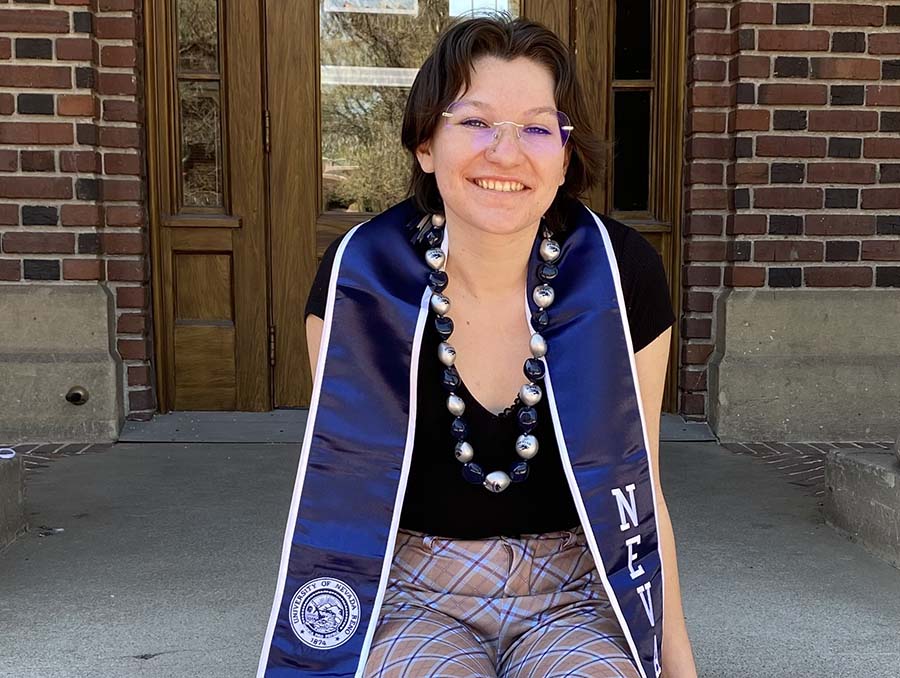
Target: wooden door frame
[
  {"x": 672, "y": 20},
  {"x": 594, "y": 17},
  {"x": 294, "y": 161}
]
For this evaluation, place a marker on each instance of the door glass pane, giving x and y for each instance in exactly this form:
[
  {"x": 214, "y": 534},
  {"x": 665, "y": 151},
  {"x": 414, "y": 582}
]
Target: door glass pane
[
  {"x": 634, "y": 39},
  {"x": 370, "y": 52},
  {"x": 201, "y": 144},
  {"x": 631, "y": 168},
  {"x": 198, "y": 36},
  {"x": 467, "y": 7}
]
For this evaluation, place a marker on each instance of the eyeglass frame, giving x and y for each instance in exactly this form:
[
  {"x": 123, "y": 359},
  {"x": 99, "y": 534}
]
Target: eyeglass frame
[{"x": 568, "y": 128}]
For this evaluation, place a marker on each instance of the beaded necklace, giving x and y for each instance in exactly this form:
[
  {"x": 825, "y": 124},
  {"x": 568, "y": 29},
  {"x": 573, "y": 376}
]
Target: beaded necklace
[{"x": 529, "y": 395}]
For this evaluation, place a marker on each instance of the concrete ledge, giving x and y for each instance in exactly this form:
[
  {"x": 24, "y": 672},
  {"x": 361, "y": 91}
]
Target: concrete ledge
[
  {"x": 12, "y": 500},
  {"x": 806, "y": 364},
  {"x": 862, "y": 499},
  {"x": 53, "y": 338}
]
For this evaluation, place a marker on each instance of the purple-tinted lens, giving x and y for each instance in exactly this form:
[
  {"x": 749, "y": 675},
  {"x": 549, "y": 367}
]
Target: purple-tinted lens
[{"x": 537, "y": 135}]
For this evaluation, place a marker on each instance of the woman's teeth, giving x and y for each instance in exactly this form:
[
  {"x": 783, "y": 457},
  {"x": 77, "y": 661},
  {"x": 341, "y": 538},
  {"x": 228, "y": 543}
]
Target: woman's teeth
[{"x": 503, "y": 186}]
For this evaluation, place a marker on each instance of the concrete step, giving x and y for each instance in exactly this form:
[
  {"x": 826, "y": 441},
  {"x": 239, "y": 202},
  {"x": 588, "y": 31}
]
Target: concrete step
[
  {"x": 12, "y": 497},
  {"x": 862, "y": 499}
]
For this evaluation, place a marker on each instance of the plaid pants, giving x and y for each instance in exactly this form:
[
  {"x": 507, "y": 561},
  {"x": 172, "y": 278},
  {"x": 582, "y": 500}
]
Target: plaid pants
[{"x": 532, "y": 607}]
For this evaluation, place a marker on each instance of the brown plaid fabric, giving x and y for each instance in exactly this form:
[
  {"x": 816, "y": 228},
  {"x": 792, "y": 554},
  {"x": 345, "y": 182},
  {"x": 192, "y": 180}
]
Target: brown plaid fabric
[{"x": 532, "y": 607}]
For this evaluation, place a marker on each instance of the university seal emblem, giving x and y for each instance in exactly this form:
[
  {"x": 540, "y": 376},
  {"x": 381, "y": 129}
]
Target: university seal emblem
[{"x": 324, "y": 613}]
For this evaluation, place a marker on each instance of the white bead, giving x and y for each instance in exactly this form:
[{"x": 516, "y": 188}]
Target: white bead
[
  {"x": 435, "y": 258},
  {"x": 549, "y": 249},
  {"x": 543, "y": 295},
  {"x": 530, "y": 394},
  {"x": 437, "y": 220},
  {"x": 456, "y": 405},
  {"x": 446, "y": 354},
  {"x": 497, "y": 481},
  {"x": 526, "y": 446},
  {"x": 538, "y": 345},
  {"x": 440, "y": 304},
  {"x": 464, "y": 452}
]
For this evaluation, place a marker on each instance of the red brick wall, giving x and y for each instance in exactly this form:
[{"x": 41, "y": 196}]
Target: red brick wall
[
  {"x": 71, "y": 161},
  {"x": 793, "y": 157}
]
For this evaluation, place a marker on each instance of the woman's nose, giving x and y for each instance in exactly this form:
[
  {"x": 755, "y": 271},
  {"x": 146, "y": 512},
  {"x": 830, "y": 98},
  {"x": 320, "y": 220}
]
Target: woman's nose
[{"x": 506, "y": 143}]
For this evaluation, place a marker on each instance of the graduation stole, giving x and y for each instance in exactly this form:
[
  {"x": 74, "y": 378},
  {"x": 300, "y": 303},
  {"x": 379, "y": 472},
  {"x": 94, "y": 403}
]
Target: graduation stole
[{"x": 356, "y": 452}]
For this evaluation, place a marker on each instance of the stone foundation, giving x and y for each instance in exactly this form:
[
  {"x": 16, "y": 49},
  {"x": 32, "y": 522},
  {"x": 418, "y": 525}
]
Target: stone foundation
[
  {"x": 800, "y": 365},
  {"x": 54, "y": 338}
]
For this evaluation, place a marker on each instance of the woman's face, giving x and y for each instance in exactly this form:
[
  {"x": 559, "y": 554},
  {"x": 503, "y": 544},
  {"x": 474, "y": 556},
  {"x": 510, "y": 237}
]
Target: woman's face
[{"x": 507, "y": 90}]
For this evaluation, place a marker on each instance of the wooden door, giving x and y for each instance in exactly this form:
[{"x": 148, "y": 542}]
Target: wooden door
[
  {"x": 207, "y": 203},
  {"x": 337, "y": 81}
]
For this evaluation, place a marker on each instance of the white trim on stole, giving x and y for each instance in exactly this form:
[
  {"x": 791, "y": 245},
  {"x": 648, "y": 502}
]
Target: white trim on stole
[
  {"x": 567, "y": 464},
  {"x": 304, "y": 460},
  {"x": 404, "y": 474},
  {"x": 304, "y": 455}
]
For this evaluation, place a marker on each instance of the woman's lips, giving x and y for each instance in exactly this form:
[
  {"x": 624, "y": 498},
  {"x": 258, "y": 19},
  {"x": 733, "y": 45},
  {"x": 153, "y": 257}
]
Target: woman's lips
[{"x": 495, "y": 192}]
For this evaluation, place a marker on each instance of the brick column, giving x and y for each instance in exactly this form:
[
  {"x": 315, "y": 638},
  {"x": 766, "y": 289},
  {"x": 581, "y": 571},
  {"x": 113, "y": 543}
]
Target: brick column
[
  {"x": 793, "y": 155},
  {"x": 72, "y": 171}
]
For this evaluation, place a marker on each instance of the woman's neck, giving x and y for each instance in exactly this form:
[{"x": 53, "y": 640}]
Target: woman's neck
[{"x": 489, "y": 266}]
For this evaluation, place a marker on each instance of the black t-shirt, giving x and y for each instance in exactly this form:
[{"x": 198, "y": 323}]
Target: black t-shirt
[{"x": 438, "y": 500}]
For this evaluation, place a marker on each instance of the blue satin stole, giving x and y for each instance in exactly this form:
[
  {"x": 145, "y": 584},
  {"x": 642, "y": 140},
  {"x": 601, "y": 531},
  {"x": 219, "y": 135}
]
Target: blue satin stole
[{"x": 356, "y": 451}]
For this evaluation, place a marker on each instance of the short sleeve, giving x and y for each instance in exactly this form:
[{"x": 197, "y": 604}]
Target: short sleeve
[
  {"x": 646, "y": 290},
  {"x": 318, "y": 293}
]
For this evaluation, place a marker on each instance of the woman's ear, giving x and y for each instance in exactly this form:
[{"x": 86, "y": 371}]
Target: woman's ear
[{"x": 426, "y": 160}]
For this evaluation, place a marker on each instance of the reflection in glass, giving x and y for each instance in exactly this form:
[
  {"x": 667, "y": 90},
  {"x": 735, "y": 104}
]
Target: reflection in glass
[
  {"x": 201, "y": 144},
  {"x": 634, "y": 39},
  {"x": 369, "y": 58},
  {"x": 198, "y": 36},
  {"x": 631, "y": 167},
  {"x": 473, "y": 7},
  {"x": 373, "y": 6}
]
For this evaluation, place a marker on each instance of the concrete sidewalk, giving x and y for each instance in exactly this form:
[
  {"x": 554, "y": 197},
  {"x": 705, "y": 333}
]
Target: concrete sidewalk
[{"x": 167, "y": 561}]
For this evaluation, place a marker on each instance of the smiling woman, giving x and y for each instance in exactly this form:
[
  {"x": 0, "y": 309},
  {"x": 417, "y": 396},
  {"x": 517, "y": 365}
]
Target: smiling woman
[{"x": 434, "y": 511}]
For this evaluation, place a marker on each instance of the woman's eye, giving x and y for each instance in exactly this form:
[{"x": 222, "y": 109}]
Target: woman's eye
[
  {"x": 537, "y": 131},
  {"x": 473, "y": 122}
]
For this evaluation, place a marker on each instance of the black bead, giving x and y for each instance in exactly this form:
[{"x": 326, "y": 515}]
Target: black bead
[
  {"x": 450, "y": 379},
  {"x": 518, "y": 471},
  {"x": 534, "y": 369},
  {"x": 437, "y": 281},
  {"x": 473, "y": 473},
  {"x": 540, "y": 319},
  {"x": 547, "y": 272},
  {"x": 459, "y": 429},
  {"x": 527, "y": 419},
  {"x": 444, "y": 326},
  {"x": 433, "y": 238}
]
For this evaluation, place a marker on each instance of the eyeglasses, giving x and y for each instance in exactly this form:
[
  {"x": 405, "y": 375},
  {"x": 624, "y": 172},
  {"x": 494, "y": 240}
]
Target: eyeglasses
[{"x": 545, "y": 133}]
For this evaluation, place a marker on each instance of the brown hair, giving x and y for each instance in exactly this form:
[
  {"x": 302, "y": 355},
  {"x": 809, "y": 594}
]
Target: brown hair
[{"x": 449, "y": 67}]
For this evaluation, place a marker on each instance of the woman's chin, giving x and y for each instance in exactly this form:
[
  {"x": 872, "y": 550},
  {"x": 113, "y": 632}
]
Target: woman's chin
[{"x": 502, "y": 223}]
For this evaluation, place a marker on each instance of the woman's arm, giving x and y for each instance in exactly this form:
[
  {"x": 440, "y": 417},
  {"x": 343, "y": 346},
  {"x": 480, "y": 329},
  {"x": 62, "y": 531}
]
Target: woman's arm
[
  {"x": 314, "y": 325},
  {"x": 677, "y": 658}
]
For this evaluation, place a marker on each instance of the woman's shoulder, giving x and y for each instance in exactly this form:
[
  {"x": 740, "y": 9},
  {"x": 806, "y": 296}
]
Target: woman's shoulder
[
  {"x": 318, "y": 292},
  {"x": 629, "y": 245}
]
